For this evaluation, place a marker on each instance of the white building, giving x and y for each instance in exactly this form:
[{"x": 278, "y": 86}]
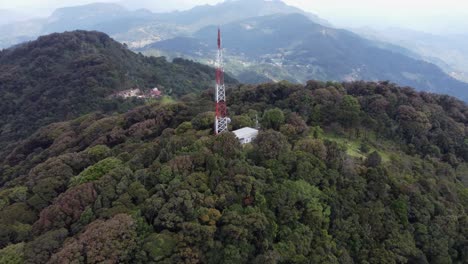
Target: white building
[{"x": 246, "y": 134}]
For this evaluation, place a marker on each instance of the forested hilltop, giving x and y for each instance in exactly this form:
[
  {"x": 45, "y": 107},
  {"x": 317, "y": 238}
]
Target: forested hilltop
[
  {"x": 63, "y": 76},
  {"x": 340, "y": 173}
]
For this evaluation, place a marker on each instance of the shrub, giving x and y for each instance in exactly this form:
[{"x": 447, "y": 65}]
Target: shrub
[{"x": 97, "y": 170}]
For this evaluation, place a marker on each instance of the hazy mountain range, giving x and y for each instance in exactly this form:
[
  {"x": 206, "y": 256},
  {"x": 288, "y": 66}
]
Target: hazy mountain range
[
  {"x": 8, "y": 16},
  {"x": 264, "y": 40},
  {"x": 294, "y": 48},
  {"x": 450, "y": 51},
  {"x": 140, "y": 27}
]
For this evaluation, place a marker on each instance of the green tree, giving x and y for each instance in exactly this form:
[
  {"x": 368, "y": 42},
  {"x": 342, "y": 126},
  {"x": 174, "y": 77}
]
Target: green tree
[
  {"x": 240, "y": 121},
  {"x": 271, "y": 144},
  {"x": 103, "y": 241},
  {"x": 349, "y": 111},
  {"x": 273, "y": 119},
  {"x": 96, "y": 171},
  {"x": 12, "y": 254},
  {"x": 374, "y": 159}
]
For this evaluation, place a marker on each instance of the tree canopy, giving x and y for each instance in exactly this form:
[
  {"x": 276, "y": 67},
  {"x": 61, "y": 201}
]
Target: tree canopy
[{"x": 340, "y": 173}]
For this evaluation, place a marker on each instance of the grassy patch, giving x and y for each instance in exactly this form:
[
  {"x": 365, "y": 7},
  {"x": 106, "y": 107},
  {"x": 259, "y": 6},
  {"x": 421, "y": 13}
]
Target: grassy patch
[
  {"x": 353, "y": 147},
  {"x": 166, "y": 99}
]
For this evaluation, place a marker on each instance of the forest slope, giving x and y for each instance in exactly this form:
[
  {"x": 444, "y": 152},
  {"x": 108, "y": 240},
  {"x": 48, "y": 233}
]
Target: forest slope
[
  {"x": 154, "y": 184},
  {"x": 62, "y": 76}
]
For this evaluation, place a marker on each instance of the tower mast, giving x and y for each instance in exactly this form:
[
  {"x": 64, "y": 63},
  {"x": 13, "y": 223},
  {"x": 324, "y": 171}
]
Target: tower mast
[{"x": 221, "y": 119}]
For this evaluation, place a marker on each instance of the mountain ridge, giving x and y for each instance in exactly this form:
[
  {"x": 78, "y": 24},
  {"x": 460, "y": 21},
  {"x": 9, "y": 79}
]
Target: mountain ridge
[
  {"x": 296, "y": 49},
  {"x": 240, "y": 9},
  {"x": 64, "y": 75},
  {"x": 136, "y": 26},
  {"x": 321, "y": 57},
  {"x": 447, "y": 51}
]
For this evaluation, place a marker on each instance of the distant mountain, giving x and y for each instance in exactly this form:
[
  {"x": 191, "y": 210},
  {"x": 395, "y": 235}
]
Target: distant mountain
[
  {"x": 62, "y": 76},
  {"x": 142, "y": 27},
  {"x": 137, "y": 28},
  {"x": 265, "y": 40},
  {"x": 8, "y": 16},
  {"x": 294, "y": 48},
  {"x": 110, "y": 18},
  {"x": 450, "y": 52},
  {"x": 17, "y": 32},
  {"x": 234, "y": 10}
]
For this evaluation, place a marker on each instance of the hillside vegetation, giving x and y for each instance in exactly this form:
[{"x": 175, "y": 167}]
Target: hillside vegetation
[
  {"x": 63, "y": 76},
  {"x": 357, "y": 172}
]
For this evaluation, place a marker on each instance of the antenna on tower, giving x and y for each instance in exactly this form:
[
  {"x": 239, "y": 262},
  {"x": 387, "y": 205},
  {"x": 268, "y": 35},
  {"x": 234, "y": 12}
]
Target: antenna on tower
[{"x": 221, "y": 118}]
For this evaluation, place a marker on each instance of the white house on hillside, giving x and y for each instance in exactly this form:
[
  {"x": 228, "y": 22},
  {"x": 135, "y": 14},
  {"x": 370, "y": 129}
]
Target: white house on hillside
[{"x": 246, "y": 134}]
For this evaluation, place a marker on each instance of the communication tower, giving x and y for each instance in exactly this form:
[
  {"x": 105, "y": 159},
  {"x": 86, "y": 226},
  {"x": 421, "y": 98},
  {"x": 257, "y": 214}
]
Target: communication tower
[{"x": 221, "y": 119}]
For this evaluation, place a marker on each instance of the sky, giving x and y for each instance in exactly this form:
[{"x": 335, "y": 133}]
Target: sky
[{"x": 426, "y": 15}]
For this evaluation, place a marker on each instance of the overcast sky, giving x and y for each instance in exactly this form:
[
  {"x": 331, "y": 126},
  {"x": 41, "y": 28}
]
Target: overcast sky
[{"x": 428, "y": 15}]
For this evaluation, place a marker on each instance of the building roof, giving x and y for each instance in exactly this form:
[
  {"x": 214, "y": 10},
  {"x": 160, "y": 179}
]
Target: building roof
[{"x": 245, "y": 132}]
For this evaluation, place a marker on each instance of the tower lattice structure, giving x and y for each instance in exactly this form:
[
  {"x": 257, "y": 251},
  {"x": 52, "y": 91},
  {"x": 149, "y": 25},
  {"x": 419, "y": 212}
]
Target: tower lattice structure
[{"x": 221, "y": 119}]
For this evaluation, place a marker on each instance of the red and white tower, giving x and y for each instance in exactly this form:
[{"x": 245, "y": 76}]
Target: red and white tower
[{"x": 221, "y": 119}]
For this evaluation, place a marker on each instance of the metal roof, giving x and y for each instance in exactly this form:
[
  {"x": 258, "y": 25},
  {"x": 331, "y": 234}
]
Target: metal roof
[{"x": 245, "y": 132}]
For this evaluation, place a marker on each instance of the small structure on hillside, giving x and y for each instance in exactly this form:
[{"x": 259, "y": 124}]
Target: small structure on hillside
[
  {"x": 246, "y": 134},
  {"x": 138, "y": 93},
  {"x": 135, "y": 92},
  {"x": 155, "y": 93}
]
